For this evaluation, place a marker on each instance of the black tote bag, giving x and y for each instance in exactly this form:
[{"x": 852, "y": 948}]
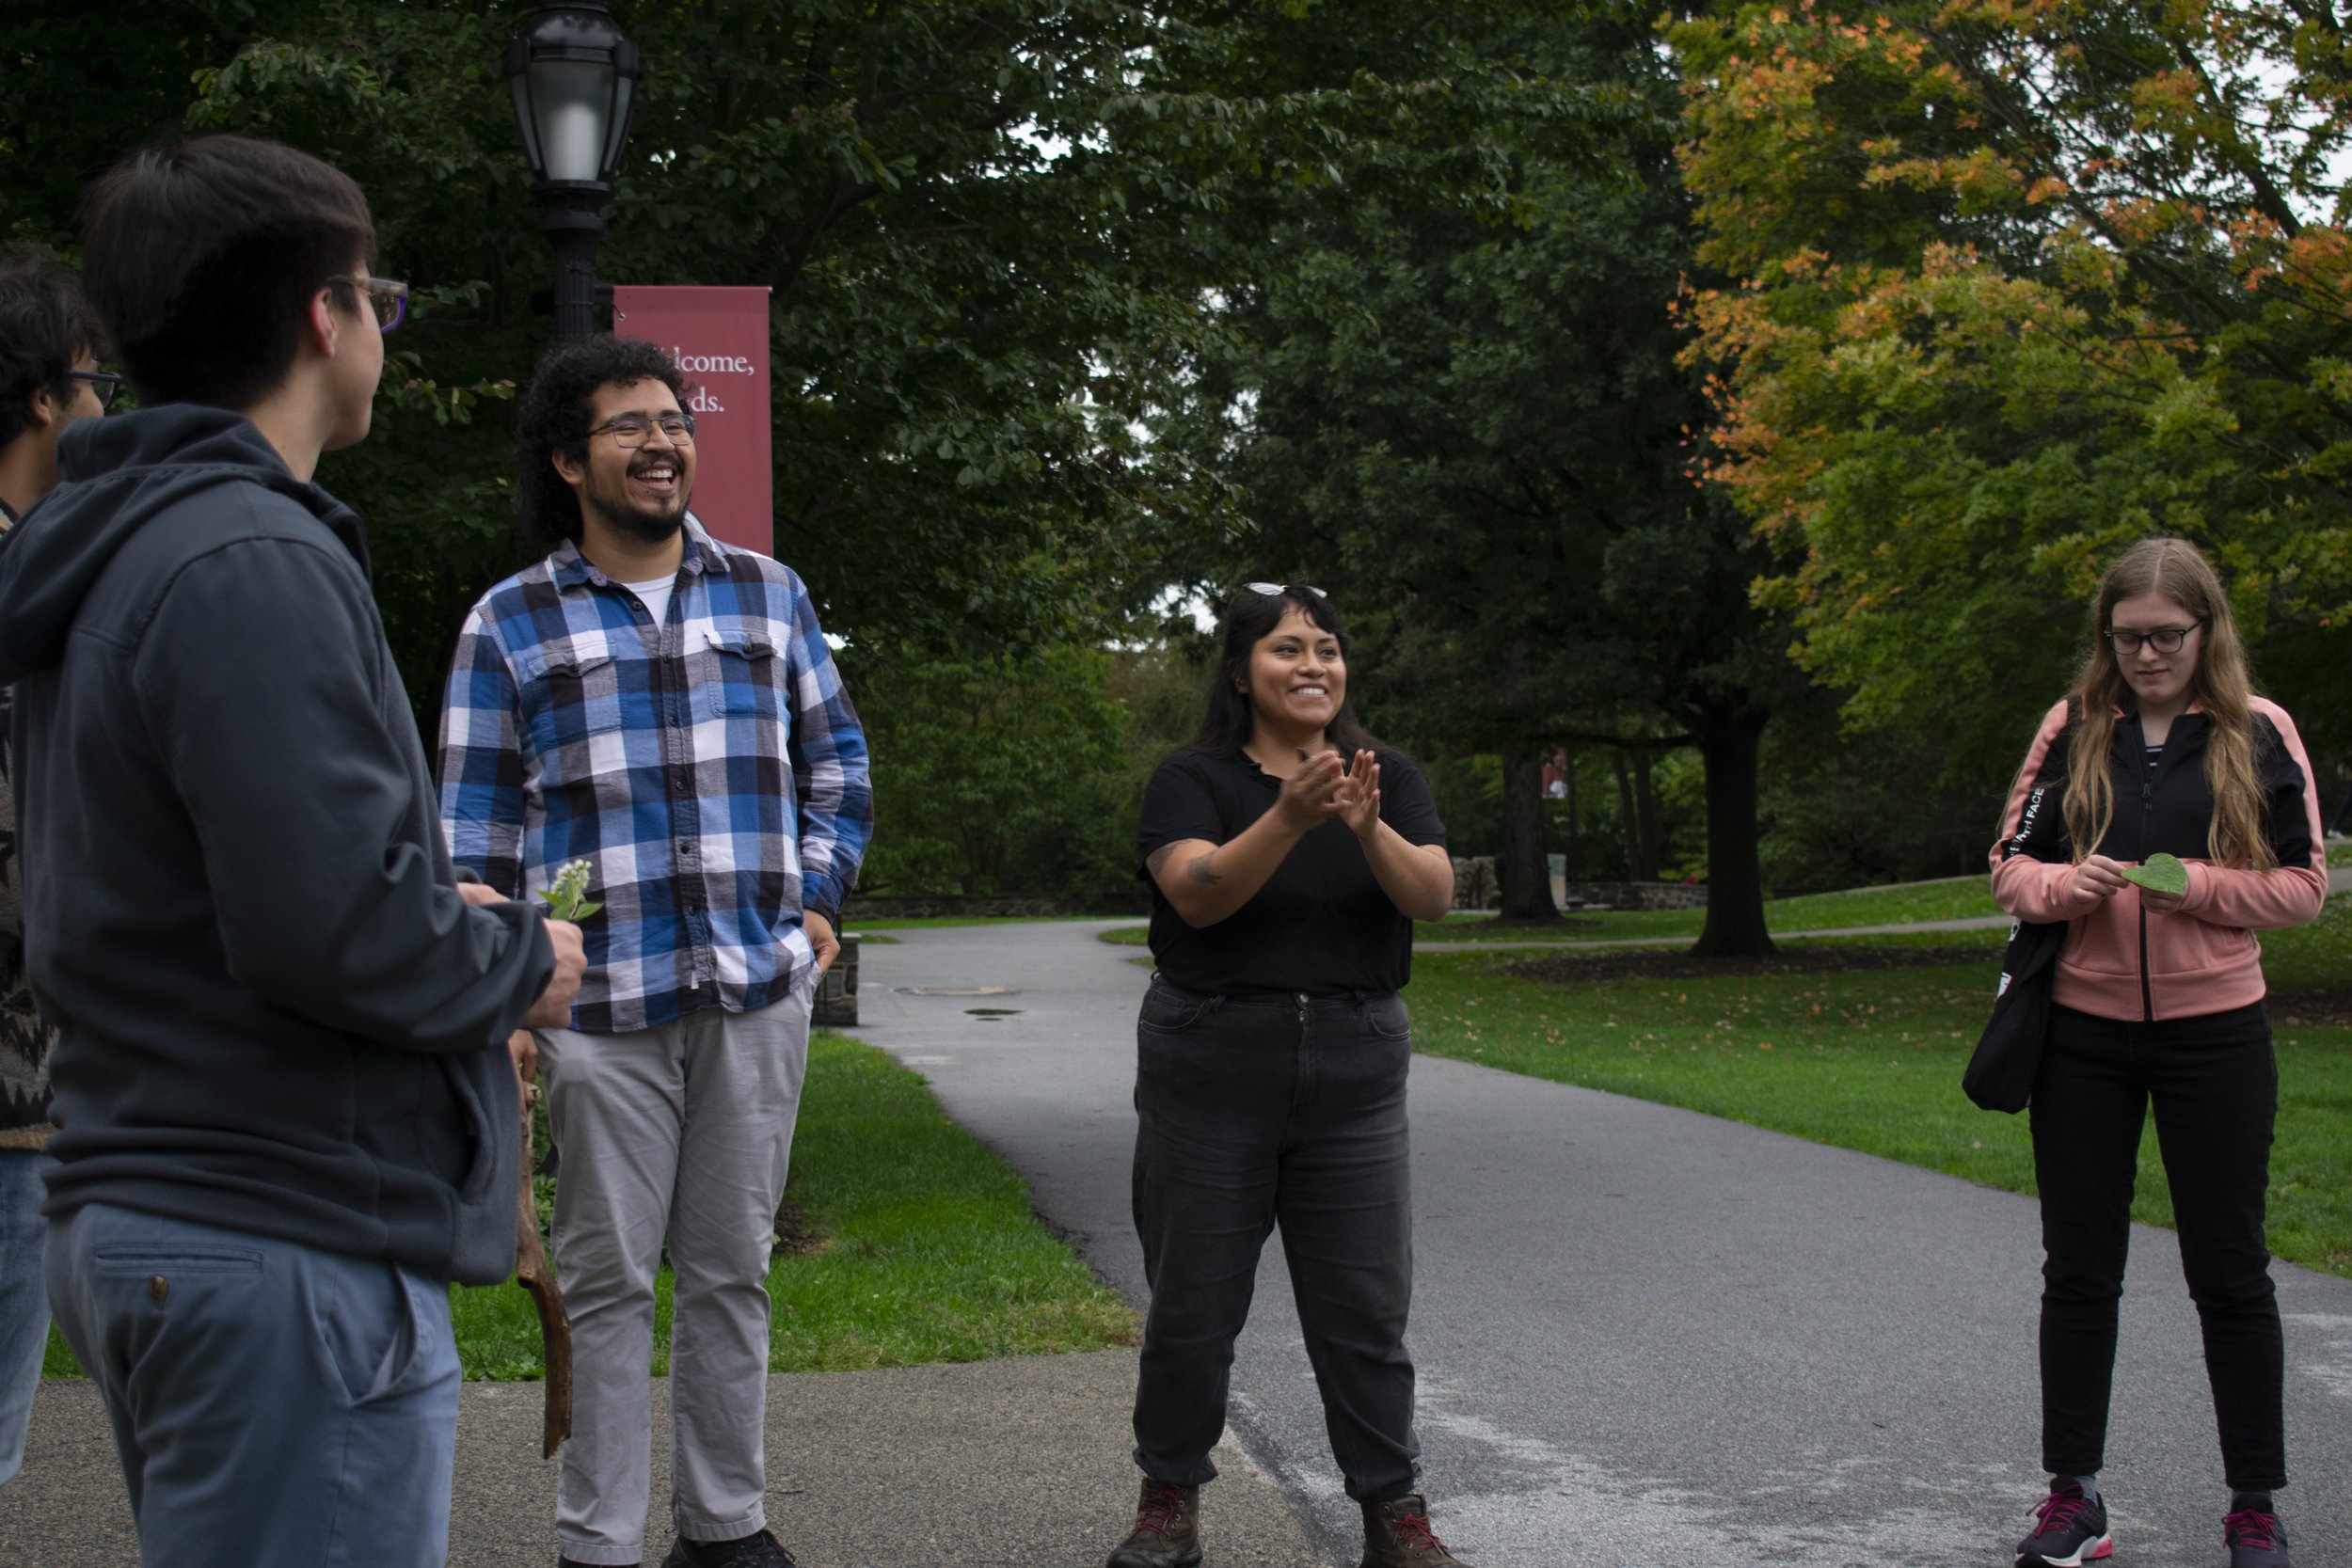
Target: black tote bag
[{"x": 2001, "y": 1071}]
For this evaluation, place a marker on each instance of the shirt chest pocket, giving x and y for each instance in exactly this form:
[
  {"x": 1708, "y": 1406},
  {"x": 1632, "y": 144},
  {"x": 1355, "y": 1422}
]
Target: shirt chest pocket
[
  {"x": 737, "y": 674},
  {"x": 571, "y": 706}
]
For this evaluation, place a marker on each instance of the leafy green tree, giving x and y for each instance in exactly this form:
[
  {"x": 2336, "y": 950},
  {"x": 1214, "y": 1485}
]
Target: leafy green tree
[
  {"x": 1457, "y": 404},
  {"x": 1000, "y": 774},
  {"x": 2015, "y": 285},
  {"x": 971, "y": 299}
]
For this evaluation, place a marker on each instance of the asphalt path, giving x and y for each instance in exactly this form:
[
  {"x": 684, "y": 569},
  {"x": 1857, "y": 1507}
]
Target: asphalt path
[{"x": 1643, "y": 1336}]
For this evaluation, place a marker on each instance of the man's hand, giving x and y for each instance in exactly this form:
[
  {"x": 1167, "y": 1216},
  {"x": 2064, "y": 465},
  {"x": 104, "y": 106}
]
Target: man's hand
[
  {"x": 524, "y": 1050},
  {"x": 820, "y": 937},
  {"x": 479, "y": 893},
  {"x": 554, "y": 1010}
]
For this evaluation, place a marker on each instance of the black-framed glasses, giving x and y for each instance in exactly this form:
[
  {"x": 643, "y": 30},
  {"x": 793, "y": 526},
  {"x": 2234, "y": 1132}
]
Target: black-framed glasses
[
  {"x": 388, "y": 296},
  {"x": 104, "y": 386},
  {"x": 2165, "y": 640},
  {"x": 634, "y": 430},
  {"x": 1276, "y": 589}
]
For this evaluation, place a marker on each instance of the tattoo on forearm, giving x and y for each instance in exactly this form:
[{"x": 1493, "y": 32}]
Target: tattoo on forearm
[
  {"x": 1203, "y": 871},
  {"x": 1158, "y": 858}
]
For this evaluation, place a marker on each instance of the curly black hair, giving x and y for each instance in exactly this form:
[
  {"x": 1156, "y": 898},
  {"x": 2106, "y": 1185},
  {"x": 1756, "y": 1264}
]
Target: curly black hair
[
  {"x": 45, "y": 325},
  {"x": 553, "y": 416}
]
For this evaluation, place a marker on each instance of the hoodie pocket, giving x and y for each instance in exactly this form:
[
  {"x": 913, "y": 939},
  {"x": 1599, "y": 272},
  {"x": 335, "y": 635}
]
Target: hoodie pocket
[{"x": 482, "y": 1125}]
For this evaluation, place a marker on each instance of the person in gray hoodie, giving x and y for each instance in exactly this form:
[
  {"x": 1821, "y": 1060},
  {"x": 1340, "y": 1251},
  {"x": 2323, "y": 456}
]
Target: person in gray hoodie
[{"x": 286, "y": 1115}]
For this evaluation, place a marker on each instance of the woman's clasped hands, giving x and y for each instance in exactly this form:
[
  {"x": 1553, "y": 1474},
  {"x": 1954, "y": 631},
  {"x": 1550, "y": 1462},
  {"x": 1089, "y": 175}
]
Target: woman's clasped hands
[{"x": 1329, "y": 784}]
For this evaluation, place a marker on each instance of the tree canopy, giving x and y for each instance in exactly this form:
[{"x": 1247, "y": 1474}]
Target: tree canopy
[{"x": 2006, "y": 287}]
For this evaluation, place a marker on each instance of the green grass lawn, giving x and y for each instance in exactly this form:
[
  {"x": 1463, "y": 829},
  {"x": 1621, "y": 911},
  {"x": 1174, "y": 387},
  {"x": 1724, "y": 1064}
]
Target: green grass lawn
[
  {"x": 930, "y": 1252},
  {"x": 1871, "y": 1059},
  {"x": 1957, "y": 898}
]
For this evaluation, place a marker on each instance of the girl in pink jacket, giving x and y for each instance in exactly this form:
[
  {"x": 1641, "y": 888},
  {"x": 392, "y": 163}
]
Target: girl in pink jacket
[{"x": 2162, "y": 747}]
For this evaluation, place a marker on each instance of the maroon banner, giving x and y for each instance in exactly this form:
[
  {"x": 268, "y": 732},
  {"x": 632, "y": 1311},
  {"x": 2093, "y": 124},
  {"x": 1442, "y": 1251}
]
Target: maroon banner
[{"x": 717, "y": 339}]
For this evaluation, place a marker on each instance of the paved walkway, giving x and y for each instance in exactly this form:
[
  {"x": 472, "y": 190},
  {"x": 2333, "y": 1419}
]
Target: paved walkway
[
  {"x": 1016, "y": 1463},
  {"x": 1646, "y": 1335}
]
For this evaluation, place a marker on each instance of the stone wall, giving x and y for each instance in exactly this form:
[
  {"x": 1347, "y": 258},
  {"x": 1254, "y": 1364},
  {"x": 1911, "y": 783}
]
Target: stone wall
[
  {"x": 1643, "y": 896},
  {"x": 1476, "y": 887}
]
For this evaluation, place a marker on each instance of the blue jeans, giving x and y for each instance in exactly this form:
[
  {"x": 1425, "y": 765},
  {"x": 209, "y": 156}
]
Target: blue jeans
[
  {"x": 24, "y": 1310},
  {"x": 272, "y": 1405}
]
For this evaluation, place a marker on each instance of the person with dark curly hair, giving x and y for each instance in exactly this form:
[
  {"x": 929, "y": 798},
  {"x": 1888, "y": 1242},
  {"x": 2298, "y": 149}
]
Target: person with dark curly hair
[
  {"x": 664, "y": 709},
  {"x": 49, "y": 376}
]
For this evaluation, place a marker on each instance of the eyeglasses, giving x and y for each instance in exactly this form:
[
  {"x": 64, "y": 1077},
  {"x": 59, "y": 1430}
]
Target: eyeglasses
[
  {"x": 104, "y": 384},
  {"x": 389, "y": 297},
  {"x": 2165, "y": 640},
  {"x": 1276, "y": 589},
  {"x": 631, "y": 430}
]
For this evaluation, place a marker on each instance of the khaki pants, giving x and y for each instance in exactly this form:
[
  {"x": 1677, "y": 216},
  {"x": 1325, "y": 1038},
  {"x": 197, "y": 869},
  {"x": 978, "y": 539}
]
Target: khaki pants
[{"x": 683, "y": 1130}]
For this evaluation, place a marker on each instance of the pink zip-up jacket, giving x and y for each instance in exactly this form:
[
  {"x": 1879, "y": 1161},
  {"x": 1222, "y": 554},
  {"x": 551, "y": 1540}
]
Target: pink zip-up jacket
[{"x": 2122, "y": 960}]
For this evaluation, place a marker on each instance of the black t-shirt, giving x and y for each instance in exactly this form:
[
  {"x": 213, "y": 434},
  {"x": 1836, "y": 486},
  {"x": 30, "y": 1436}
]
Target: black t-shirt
[{"x": 1321, "y": 924}]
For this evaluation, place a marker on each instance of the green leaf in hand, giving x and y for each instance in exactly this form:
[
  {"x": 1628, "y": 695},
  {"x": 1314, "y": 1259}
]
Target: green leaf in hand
[{"x": 2159, "y": 872}]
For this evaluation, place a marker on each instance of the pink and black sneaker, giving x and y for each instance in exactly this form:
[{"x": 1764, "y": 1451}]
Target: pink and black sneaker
[
  {"x": 2069, "y": 1530},
  {"x": 2256, "y": 1539}
]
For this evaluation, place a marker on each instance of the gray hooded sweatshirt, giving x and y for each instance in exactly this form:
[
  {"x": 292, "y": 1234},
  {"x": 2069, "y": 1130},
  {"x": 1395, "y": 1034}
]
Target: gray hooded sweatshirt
[{"x": 275, "y": 1014}]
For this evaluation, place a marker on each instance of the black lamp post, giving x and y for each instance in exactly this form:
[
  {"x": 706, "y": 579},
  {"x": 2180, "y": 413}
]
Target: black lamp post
[{"x": 575, "y": 81}]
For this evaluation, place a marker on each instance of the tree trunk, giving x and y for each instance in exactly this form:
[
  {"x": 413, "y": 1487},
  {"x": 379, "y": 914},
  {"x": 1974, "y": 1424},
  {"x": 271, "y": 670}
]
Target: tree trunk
[
  {"x": 1521, "y": 868},
  {"x": 1645, "y": 867},
  {"x": 1637, "y": 813},
  {"x": 1568, "y": 861},
  {"x": 1735, "y": 882}
]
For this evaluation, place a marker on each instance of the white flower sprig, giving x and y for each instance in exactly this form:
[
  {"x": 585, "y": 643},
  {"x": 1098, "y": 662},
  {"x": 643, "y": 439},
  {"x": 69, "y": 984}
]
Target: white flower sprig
[{"x": 568, "y": 898}]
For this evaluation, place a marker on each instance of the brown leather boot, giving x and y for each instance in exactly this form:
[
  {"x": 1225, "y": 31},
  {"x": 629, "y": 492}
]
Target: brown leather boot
[
  {"x": 1397, "y": 1535},
  {"x": 1167, "y": 1529}
]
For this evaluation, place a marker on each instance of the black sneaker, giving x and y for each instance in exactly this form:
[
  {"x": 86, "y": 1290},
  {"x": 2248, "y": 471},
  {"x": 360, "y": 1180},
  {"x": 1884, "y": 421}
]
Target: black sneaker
[
  {"x": 2069, "y": 1530},
  {"x": 2256, "y": 1539},
  {"x": 758, "y": 1551}
]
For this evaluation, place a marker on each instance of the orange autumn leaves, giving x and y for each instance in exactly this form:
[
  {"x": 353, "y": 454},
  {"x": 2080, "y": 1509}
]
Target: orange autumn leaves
[{"x": 1999, "y": 283}]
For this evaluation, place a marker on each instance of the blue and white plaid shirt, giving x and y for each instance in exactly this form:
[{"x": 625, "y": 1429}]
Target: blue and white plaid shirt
[{"x": 711, "y": 770}]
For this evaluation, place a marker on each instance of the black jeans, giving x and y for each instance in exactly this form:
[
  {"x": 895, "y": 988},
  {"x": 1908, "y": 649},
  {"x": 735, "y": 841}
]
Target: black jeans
[
  {"x": 2215, "y": 1086},
  {"x": 1252, "y": 1110}
]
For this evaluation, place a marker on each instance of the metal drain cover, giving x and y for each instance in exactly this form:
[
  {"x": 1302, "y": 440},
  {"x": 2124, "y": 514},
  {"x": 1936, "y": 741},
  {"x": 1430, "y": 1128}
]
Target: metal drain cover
[{"x": 954, "y": 990}]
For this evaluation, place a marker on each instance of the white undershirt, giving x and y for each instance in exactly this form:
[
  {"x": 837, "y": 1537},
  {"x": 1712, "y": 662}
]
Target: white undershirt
[{"x": 655, "y": 596}]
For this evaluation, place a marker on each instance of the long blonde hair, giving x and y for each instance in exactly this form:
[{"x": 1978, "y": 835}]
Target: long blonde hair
[{"x": 2173, "y": 568}]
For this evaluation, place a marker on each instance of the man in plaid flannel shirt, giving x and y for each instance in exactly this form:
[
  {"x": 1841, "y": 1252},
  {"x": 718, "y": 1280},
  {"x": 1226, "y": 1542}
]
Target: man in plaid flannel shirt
[{"x": 665, "y": 707}]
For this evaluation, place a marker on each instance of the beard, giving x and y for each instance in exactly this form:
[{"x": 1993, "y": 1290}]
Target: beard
[{"x": 652, "y": 525}]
